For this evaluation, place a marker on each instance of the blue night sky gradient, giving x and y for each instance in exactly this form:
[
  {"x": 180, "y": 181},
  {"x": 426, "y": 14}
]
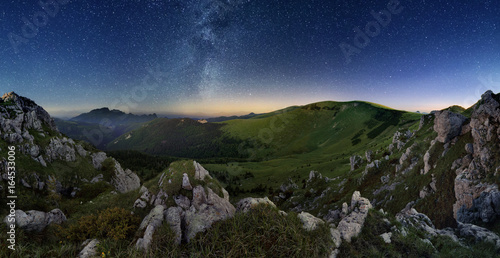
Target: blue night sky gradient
[{"x": 220, "y": 57}]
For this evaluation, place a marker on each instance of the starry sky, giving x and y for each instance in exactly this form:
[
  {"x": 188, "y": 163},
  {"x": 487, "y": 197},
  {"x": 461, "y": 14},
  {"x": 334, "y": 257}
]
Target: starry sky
[{"x": 224, "y": 57}]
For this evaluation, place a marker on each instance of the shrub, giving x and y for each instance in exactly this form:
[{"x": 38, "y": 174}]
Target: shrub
[{"x": 115, "y": 223}]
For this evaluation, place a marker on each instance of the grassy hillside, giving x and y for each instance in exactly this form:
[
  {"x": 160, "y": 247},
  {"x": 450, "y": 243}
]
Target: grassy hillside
[{"x": 263, "y": 151}]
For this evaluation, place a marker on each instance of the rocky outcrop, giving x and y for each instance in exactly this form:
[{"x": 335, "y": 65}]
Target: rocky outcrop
[
  {"x": 174, "y": 216},
  {"x": 448, "y": 125},
  {"x": 355, "y": 162},
  {"x": 351, "y": 225},
  {"x": 124, "y": 180},
  {"x": 200, "y": 172},
  {"x": 247, "y": 204},
  {"x": 479, "y": 234},
  {"x": 98, "y": 158},
  {"x": 206, "y": 208},
  {"x": 485, "y": 208},
  {"x": 151, "y": 222},
  {"x": 21, "y": 117},
  {"x": 188, "y": 216},
  {"x": 476, "y": 199},
  {"x": 34, "y": 116},
  {"x": 309, "y": 221},
  {"x": 409, "y": 217},
  {"x": 60, "y": 149},
  {"x": 37, "y": 220}
]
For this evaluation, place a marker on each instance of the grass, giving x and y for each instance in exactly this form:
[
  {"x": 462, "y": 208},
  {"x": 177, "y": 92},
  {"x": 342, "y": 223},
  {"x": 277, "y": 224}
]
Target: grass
[{"x": 262, "y": 232}]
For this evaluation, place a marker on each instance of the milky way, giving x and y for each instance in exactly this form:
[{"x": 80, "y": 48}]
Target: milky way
[{"x": 209, "y": 57}]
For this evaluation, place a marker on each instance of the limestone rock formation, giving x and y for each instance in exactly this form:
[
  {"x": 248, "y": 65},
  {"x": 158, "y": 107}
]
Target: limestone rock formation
[
  {"x": 90, "y": 249},
  {"x": 37, "y": 220},
  {"x": 448, "y": 125},
  {"x": 246, "y": 204},
  {"x": 188, "y": 216},
  {"x": 151, "y": 222},
  {"x": 352, "y": 224},
  {"x": 310, "y": 222},
  {"x": 124, "y": 180},
  {"x": 355, "y": 161}
]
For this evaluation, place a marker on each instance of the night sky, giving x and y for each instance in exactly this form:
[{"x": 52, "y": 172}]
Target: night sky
[{"x": 209, "y": 57}]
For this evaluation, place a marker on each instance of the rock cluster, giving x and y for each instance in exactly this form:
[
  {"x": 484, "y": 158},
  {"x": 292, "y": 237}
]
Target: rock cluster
[
  {"x": 21, "y": 117},
  {"x": 477, "y": 200},
  {"x": 188, "y": 216},
  {"x": 37, "y": 220},
  {"x": 351, "y": 225}
]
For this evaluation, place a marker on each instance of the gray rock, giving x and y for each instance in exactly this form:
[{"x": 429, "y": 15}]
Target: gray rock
[
  {"x": 139, "y": 203},
  {"x": 161, "y": 198},
  {"x": 205, "y": 210},
  {"x": 125, "y": 180},
  {"x": 185, "y": 182},
  {"x": 355, "y": 162},
  {"x": 155, "y": 217},
  {"x": 427, "y": 166},
  {"x": 448, "y": 125},
  {"x": 478, "y": 233},
  {"x": 469, "y": 147},
  {"x": 37, "y": 220},
  {"x": 42, "y": 161},
  {"x": 90, "y": 249},
  {"x": 25, "y": 184},
  {"x": 200, "y": 172},
  {"x": 97, "y": 179},
  {"x": 386, "y": 237},
  {"x": 97, "y": 159},
  {"x": 81, "y": 151},
  {"x": 152, "y": 221},
  {"x": 60, "y": 149},
  {"x": 247, "y": 204},
  {"x": 485, "y": 208},
  {"x": 351, "y": 225},
  {"x": 309, "y": 221},
  {"x": 335, "y": 234},
  {"x": 173, "y": 217},
  {"x": 368, "y": 155},
  {"x": 182, "y": 201}
]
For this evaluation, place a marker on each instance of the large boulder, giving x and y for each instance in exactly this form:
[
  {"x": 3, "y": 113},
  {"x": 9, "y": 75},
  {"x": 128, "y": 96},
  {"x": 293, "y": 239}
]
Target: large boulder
[
  {"x": 448, "y": 125},
  {"x": 485, "y": 208},
  {"x": 309, "y": 221},
  {"x": 174, "y": 216},
  {"x": 151, "y": 222},
  {"x": 125, "y": 180},
  {"x": 206, "y": 208},
  {"x": 247, "y": 204},
  {"x": 37, "y": 220},
  {"x": 97, "y": 159},
  {"x": 478, "y": 233}
]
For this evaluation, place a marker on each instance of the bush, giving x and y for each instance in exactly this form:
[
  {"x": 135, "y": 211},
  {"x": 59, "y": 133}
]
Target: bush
[{"x": 115, "y": 223}]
